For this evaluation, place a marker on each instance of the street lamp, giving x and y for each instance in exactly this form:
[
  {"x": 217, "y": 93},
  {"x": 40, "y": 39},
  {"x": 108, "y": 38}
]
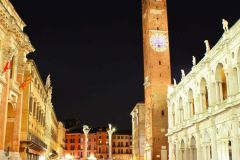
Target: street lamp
[
  {"x": 86, "y": 130},
  {"x": 68, "y": 157},
  {"x": 110, "y": 132}
]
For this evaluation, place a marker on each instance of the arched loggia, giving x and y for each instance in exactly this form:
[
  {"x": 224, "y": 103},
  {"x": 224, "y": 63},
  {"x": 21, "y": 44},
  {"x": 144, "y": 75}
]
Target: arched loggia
[
  {"x": 221, "y": 83},
  {"x": 204, "y": 99}
]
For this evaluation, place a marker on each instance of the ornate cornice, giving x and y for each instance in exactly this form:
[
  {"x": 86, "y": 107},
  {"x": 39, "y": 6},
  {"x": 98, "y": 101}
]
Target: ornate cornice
[{"x": 10, "y": 26}]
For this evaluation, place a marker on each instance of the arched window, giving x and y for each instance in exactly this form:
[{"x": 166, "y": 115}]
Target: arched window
[
  {"x": 221, "y": 82},
  {"x": 191, "y": 103},
  {"x": 11, "y": 123},
  {"x": 204, "y": 95},
  {"x": 182, "y": 156},
  {"x": 193, "y": 149}
]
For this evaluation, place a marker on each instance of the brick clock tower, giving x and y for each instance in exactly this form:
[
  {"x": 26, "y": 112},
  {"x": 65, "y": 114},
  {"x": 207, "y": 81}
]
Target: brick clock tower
[{"x": 157, "y": 74}]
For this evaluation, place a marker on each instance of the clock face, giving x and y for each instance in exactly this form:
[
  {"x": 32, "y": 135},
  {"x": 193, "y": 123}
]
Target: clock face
[{"x": 159, "y": 42}]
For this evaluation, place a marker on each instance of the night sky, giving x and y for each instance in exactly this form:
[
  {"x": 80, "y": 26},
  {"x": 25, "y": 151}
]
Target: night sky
[{"x": 93, "y": 50}]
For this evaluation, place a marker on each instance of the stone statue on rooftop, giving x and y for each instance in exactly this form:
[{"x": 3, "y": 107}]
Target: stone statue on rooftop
[
  {"x": 194, "y": 61},
  {"x": 207, "y": 45},
  {"x": 174, "y": 82},
  {"x": 225, "y": 25},
  {"x": 183, "y": 73}
]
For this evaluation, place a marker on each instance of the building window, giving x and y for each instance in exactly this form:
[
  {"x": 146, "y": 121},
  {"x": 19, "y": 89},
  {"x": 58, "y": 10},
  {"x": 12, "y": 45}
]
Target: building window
[
  {"x": 230, "y": 150},
  {"x": 72, "y": 147},
  {"x": 30, "y": 103}
]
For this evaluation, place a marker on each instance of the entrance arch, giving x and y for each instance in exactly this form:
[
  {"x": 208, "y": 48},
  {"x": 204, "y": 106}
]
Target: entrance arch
[{"x": 10, "y": 127}]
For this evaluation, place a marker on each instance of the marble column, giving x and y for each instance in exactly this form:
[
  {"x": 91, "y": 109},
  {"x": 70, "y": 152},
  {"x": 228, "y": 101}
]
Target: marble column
[
  {"x": 238, "y": 77},
  {"x": 171, "y": 152},
  {"x": 177, "y": 151},
  {"x": 217, "y": 92},
  {"x": 235, "y": 140},
  {"x": 86, "y": 130},
  {"x": 213, "y": 142},
  {"x": 199, "y": 154},
  {"x": 110, "y": 132},
  {"x": 224, "y": 149}
]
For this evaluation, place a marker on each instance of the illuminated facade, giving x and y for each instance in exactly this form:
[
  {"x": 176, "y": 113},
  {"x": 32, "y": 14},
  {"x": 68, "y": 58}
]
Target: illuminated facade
[
  {"x": 25, "y": 103},
  {"x": 122, "y": 145},
  {"x": 38, "y": 138},
  {"x": 98, "y": 144},
  {"x": 138, "y": 131},
  {"x": 204, "y": 108},
  {"x": 15, "y": 45}
]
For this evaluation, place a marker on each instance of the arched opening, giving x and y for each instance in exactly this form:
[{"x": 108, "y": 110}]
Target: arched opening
[
  {"x": 181, "y": 111},
  {"x": 208, "y": 146},
  {"x": 11, "y": 119},
  {"x": 182, "y": 156},
  {"x": 191, "y": 103},
  {"x": 204, "y": 99},
  {"x": 221, "y": 81},
  {"x": 193, "y": 149}
]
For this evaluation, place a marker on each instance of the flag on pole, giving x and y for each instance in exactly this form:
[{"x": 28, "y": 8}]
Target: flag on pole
[
  {"x": 27, "y": 81},
  {"x": 7, "y": 66}
]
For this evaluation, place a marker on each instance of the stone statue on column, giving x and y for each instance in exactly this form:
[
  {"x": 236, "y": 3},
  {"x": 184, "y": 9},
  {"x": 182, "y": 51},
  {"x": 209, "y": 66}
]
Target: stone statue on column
[
  {"x": 48, "y": 87},
  {"x": 225, "y": 25},
  {"x": 86, "y": 130},
  {"x": 110, "y": 132}
]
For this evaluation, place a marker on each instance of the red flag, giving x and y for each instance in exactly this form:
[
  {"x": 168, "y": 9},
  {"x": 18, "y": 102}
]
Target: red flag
[
  {"x": 26, "y": 82},
  {"x": 7, "y": 66}
]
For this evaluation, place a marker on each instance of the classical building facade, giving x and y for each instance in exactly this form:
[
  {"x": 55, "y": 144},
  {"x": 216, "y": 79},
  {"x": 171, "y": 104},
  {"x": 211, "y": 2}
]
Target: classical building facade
[
  {"x": 204, "y": 108},
  {"x": 41, "y": 134},
  {"x": 28, "y": 125},
  {"x": 138, "y": 131},
  {"x": 122, "y": 145},
  {"x": 98, "y": 144},
  {"x": 15, "y": 45}
]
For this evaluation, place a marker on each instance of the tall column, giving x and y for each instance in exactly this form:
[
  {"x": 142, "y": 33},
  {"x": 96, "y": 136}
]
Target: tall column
[
  {"x": 110, "y": 132},
  {"x": 220, "y": 91},
  {"x": 171, "y": 152},
  {"x": 199, "y": 154},
  {"x": 190, "y": 107},
  {"x": 224, "y": 151},
  {"x": 217, "y": 92},
  {"x": 214, "y": 142},
  {"x": 86, "y": 130},
  {"x": 238, "y": 77},
  {"x": 235, "y": 140},
  {"x": 204, "y": 148},
  {"x": 186, "y": 152},
  {"x": 201, "y": 108},
  {"x": 177, "y": 151}
]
